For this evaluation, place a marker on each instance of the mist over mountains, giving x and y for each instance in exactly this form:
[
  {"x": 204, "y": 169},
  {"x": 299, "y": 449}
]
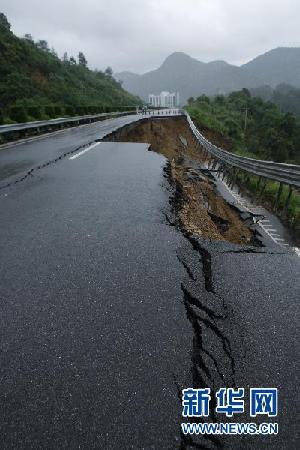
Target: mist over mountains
[{"x": 191, "y": 78}]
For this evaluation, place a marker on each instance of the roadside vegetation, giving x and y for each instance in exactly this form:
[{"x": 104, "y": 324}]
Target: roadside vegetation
[
  {"x": 285, "y": 96},
  {"x": 255, "y": 128},
  {"x": 36, "y": 84}
]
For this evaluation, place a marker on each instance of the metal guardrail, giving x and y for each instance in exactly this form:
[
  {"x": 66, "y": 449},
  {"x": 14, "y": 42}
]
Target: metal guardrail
[
  {"x": 288, "y": 174},
  {"x": 61, "y": 121},
  {"x": 4, "y": 129}
]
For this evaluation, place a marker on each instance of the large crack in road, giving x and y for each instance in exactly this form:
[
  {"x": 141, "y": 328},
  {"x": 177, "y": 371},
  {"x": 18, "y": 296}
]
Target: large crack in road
[
  {"x": 227, "y": 268},
  {"x": 200, "y": 209},
  {"x": 211, "y": 226}
]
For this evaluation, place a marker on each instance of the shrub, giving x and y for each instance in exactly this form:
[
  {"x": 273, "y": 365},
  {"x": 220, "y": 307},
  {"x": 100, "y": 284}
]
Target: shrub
[
  {"x": 49, "y": 111},
  {"x": 70, "y": 111},
  {"x": 80, "y": 110},
  {"x": 99, "y": 109},
  {"x": 34, "y": 112},
  {"x": 57, "y": 111},
  {"x": 18, "y": 114}
]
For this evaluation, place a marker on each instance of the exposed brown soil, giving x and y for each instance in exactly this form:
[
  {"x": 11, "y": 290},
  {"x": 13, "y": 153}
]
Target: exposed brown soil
[
  {"x": 202, "y": 211},
  {"x": 217, "y": 138},
  {"x": 164, "y": 136}
]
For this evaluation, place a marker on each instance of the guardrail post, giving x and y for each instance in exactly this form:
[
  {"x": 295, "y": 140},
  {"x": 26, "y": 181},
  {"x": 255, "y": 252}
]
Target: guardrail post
[
  {"x": 279, "y": 192},
  {"x": 258, "y": 183},
  {"x": 224, "y": 172},
  {"x": 288, "y": 199},
  {"x": 262, "y": 189},
  {"x": 220, "y": 169},
  {"x": 214, "y": 165},
  {"x": 234, "y": 177}
]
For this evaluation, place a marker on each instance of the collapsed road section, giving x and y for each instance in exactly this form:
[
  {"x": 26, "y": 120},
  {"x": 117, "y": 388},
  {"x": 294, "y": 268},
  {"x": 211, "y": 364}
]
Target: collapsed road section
[
  {"x": 240, "y": 291},
  {"x": 200, "y": 208},
  {"x": 125, "y": 278}
]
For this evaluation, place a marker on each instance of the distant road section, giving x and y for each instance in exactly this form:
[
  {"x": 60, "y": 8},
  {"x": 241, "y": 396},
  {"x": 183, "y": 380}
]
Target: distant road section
[{"x": 16, "y": 159}]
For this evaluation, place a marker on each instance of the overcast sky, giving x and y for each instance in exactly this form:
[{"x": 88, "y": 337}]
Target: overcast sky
[{"x": 137, "y": 35}]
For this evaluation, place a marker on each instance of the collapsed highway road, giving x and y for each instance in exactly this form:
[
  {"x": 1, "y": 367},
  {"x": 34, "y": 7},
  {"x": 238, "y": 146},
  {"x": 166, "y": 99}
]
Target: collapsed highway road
[{"x": 111, "y": 304}]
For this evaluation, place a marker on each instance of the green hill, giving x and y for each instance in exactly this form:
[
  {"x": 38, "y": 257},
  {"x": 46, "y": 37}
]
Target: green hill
[
  {"x": 251, "y": 126},
  {"x": 35, "y": 83}
]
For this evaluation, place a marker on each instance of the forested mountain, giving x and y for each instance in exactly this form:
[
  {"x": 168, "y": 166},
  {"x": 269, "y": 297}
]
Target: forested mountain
[
  {"x": 34, "y": 78},
  {"x": 286, "y": 97},
  {"x": 190, "y": 77}
]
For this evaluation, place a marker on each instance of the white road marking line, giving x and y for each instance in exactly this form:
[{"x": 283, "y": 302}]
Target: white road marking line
[{"x": 84, "y": 151}]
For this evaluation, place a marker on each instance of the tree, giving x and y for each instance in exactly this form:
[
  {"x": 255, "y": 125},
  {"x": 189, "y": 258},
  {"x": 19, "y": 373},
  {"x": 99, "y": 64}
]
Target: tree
[
  {"x": 203, "y": 98},
  {"x": 28, "y": 37},
  {"x": 82, "y": 59},
  {"x": 4, "y": 23},
  {"x": 65, "y": 58},
  {"x": 246, "y": 92},
  {"x": 289, "y": 124},
  {"x": 108, "y": 72},
  {"x": 53, "y": 52},
  {"x": 220, "y": 99},
  {"x": 72, "y": 60},
  {"x": 43, "y": 45}
]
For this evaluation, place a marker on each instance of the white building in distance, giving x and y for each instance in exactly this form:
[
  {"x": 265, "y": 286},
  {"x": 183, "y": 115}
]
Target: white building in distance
[{"x": 164, "y": 100}]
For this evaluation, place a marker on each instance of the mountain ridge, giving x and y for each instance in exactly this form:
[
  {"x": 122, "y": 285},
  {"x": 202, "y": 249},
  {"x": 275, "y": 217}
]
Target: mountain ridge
[{"x": 191, "y": 77}]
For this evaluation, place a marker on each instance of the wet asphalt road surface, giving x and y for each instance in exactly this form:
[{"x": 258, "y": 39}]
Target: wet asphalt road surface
[
  {"x": 106, "y": 311},
  {"x": 16, "y": 160},
  {"x": 94, "y": 331},
  {"x": 243, "y": 304}
]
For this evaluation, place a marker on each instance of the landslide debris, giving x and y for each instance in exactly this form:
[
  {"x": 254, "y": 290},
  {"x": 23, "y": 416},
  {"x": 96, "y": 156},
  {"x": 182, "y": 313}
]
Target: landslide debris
[{"x": 200, "y": 209}]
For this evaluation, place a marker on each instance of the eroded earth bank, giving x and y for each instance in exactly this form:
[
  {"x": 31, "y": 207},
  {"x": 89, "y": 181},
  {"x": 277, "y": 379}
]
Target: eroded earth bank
[{"x": 200, "y": 209}]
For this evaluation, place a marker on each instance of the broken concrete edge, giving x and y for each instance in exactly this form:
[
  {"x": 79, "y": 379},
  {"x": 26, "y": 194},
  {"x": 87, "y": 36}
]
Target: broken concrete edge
[
  {"x": 214, "y": 246},
  {"x": 261, "y": 241},
  {"x": 200, "y": 171}
]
